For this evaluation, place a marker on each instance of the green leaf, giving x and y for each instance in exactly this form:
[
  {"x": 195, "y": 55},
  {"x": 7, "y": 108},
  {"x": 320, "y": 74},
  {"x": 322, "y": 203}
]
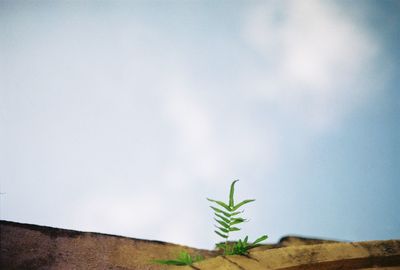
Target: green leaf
[
  {"x": 220, "y": 234},
  {"x": 223, "y": 218},
  {"x": 260, "y": 239},
  {"x": 237, "y": 221},
  {"x": 231, "y": 193},
  {"x": 240, "y": 248},
  {"x": 170, "y": 262},
  {"x": 221, "y": 204},
  {"x": 245, "y": 239},
  {"x": 198, "y": 258},
  {"x": 222, "y": 229},
  {"x": 239, "y": 243},
  {"x": 222, "y": 223},
  {"x": 220, "y": 211},
  {"x": 242, "y": 203},
  {"x": 185, "y": 257},
  {"x": 233, "y": 229},
  {"x": 220, "y": 245},
  {"x": 236, "y": 213}
]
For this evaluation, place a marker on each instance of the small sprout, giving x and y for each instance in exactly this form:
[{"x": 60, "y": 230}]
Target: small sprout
[
  {"x": 242, "y": 247},
  {"x": 227, "y": 216},
  {"x": 227, "y": 219},
  {"x": 184, "y": 259}
]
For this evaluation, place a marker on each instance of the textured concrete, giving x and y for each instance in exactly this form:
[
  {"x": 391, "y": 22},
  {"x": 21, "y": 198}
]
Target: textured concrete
[
  {"x": 359, "y": 255},
  {"x": 25, "y": 246}
]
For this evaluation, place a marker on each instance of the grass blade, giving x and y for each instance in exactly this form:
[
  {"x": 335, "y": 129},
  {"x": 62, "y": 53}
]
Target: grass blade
[
  {"x": 198, "y": 258},
  {"x": 260, "y": 239},
  {"x": 184, "y": 259},
  {"x": 169, "y": 262}
]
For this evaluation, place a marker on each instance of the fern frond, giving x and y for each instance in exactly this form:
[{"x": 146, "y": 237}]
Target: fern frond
[{"x": 228, "y": 217}]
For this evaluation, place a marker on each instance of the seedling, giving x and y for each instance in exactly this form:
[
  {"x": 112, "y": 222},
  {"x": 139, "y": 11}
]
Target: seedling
[
  {"x": 183, "y": 259},
  {"x": 241, "y": 247},
  {"x": 227, "y": 219}
]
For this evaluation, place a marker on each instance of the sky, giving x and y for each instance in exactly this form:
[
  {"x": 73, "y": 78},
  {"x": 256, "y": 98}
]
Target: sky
[{"x": 122, "y": 117}]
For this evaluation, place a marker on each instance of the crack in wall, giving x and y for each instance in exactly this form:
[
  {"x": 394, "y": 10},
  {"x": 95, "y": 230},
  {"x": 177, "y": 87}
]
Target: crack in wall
[
  {"x": 248, "y": 256},
  {"x": 235, "y": 263}
]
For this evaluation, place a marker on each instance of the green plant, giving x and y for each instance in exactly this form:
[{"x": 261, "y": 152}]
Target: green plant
[
  {"x": 241, "y": 247},
  {"x": 184, "y": 259},
  {"x": 227, "y": 219}
]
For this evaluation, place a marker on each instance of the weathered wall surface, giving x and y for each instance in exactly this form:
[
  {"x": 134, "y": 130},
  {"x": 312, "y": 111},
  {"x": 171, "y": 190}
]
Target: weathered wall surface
[
  {"x": 26, "y": 246},
  {"x": 330, "y": 256}
]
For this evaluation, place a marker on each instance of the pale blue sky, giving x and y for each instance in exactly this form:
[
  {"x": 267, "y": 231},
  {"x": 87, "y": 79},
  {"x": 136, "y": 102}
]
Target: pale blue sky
[{"x": 122, "y": 117}]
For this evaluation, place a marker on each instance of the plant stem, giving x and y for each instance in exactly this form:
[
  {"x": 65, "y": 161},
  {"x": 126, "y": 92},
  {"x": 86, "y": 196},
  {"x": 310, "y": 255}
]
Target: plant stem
[
  {"x": 226, "y": 245},
  {"x": 226, "y": 241}
]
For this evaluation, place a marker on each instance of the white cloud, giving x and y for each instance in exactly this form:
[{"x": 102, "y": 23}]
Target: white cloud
[{"x": 315, "y": 55}]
